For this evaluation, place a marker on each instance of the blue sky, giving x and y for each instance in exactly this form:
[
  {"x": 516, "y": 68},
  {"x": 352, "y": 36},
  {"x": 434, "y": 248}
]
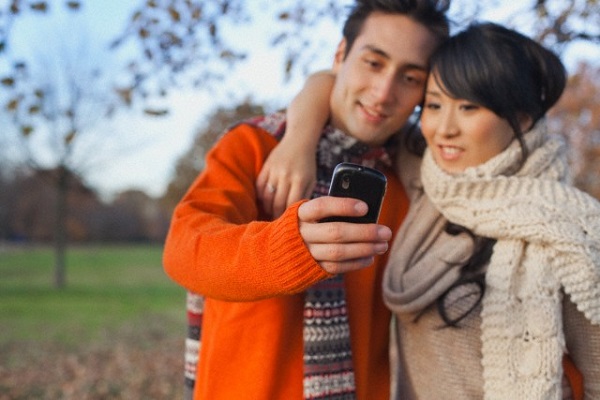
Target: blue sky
[
  {"x": 141, "y": 152},
  {"x": 136, "y": 151}
]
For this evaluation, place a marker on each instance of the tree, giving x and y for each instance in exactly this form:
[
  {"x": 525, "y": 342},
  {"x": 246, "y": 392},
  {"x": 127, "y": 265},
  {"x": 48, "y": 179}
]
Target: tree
[
  {"x": 193, "y": 39},
  {"x": 57, "y": 98},
  {"x": 32, "y": 218},
  {"x": 192, "y": 43},
  {"x": 14, "y": 8},
  {"x": 563, "y": 22},
  {"x": 185, "y": 43},
  {"x": 141, "y": 218},
  {"x": 192, "y": 162},
  {"x": 10, "y": 179},
  {"x": 577, "y": 116}
]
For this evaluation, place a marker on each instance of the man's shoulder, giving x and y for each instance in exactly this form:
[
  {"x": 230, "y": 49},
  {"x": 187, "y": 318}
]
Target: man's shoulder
[
  {"x": 244, "y": 136},
  {"x": 274, "y": 123}
]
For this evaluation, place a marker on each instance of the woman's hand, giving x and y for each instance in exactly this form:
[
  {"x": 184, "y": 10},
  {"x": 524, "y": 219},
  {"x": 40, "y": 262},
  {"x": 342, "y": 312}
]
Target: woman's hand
[
  {"x": 289, "y": 173},
  {"x": 288, "y": 176}
]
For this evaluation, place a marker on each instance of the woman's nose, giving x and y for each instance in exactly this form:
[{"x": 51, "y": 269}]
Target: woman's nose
[{"x": 447, "y": 126}]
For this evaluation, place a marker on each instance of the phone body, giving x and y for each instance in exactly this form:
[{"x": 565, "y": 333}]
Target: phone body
[{"x": 359, "y": 182}]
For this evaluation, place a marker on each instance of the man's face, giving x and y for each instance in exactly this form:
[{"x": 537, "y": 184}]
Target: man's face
[{"x": 382, "y": 79}]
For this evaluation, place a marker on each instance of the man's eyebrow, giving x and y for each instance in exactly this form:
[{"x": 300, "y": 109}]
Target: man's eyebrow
[{"x": 374, "y": 49}]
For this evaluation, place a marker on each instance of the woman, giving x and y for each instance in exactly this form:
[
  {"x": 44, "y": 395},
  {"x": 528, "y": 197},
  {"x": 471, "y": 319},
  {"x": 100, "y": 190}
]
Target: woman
[{"x": 495, "y": 273}]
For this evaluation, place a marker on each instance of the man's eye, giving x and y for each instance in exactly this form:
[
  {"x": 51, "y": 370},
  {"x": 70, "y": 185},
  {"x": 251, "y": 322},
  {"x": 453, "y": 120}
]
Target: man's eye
[{"x": 373, "y": 63}]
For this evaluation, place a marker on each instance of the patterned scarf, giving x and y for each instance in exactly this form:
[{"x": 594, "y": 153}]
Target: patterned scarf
[
  {"x": 328, "y": 369},
  {"x": 548, "y": 239}
]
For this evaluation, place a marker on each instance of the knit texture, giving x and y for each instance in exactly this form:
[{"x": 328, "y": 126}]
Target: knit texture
[
  {"x": 328, "y": 368},
  {"x": 434, "y": 362},
  {"x": 548, "y": 238}
]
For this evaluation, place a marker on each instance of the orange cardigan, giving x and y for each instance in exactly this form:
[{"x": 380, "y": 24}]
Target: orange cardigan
[{"x": 253, "y": 273}]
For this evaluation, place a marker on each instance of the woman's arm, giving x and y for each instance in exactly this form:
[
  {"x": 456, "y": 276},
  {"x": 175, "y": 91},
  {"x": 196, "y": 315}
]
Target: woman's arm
[
  {"x": 219, "y": 246},
  {"x": 289, "y": 173}
]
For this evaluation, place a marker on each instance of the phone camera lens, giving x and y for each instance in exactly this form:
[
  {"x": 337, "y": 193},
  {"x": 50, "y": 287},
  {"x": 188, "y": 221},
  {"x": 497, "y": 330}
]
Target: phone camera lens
[{"x": 345, "y": 182}]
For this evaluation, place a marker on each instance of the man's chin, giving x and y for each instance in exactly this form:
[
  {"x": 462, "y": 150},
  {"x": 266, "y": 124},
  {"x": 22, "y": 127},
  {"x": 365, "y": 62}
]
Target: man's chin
[{"x": 372, "y": 138}]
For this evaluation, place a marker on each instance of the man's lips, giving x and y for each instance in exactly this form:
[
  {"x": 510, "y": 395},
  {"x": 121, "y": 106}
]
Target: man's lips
[{"x": 372, "y": 114}]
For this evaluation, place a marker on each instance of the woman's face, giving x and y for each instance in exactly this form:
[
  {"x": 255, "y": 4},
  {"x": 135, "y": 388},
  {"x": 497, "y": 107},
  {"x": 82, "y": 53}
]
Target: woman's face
[{"x": 459, "y": 133}]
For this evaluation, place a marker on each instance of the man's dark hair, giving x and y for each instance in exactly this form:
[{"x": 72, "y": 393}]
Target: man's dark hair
[{"x": 430, "y": 13}]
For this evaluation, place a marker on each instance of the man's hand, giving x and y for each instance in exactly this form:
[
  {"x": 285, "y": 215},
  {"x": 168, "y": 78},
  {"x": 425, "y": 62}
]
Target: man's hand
[{"x": 341, "y": 246}]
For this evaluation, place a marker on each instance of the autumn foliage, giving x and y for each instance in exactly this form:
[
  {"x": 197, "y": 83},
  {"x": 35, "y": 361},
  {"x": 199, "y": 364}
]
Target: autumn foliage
[{"x": 577, "y": 117}]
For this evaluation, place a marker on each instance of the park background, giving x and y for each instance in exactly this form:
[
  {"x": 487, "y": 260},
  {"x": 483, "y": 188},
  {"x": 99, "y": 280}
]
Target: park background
[{"x": 107, "y": 108}]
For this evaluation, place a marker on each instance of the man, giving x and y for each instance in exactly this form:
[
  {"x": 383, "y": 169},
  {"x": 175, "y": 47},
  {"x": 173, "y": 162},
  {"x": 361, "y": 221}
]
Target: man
[{"x": 290, "y": 310}]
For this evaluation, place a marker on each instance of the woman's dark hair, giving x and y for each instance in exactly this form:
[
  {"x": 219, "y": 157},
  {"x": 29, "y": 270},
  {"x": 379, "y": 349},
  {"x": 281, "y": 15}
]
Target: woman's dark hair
[
  {"x": 501, "y": 70},
  {"x": 430, "y": 13}
]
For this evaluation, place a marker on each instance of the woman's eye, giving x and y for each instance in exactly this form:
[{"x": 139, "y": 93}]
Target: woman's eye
[
  {"x": 431, "y": 105},
  {"x": 469, "y": 107}
]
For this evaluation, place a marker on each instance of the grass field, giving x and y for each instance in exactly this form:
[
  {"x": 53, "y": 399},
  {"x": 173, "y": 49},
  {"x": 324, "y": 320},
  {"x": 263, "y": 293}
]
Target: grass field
[{"x": 118, "y": 308}]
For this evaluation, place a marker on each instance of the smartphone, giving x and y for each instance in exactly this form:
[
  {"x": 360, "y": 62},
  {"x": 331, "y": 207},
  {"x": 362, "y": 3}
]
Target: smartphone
[{"x": 366, "y": 184}]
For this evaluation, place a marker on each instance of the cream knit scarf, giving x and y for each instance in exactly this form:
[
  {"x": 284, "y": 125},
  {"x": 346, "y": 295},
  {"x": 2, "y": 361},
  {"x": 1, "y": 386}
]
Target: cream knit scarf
[{"x": 548, "y": 238}]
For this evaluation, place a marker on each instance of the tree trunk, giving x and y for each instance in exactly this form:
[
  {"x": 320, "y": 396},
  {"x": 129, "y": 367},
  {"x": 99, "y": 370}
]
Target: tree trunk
[{"x": 60, "y": 234}]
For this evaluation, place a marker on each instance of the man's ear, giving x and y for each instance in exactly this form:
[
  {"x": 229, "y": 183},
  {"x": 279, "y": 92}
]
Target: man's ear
[{"x": 340, "y": 55}]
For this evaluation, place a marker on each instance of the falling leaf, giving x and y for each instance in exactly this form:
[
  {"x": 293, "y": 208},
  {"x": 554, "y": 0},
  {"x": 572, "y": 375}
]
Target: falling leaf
[
  {"x": 143, "y": 32},
  {"x": 8, "y": 81},
  {"x": 41, "y": 6},
  {"x": 125, "y": 94},
  {"x": 175, "y": 16},
  {"x": 73, "y": 5},
  {"x": 156, "y": 112},
  {"x": 70, "y": 136},
  {"x": 12, "y": 105},
  {"x": 26, "y": 130}
]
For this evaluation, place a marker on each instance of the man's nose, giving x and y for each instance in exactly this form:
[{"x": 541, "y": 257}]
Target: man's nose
[{"x": 384, "y": 89}]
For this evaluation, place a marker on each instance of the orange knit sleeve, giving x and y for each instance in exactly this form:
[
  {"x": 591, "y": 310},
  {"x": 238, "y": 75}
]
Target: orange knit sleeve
[
  {"x": 218, "y": 245},
  {"x": 574, "y": 376}
]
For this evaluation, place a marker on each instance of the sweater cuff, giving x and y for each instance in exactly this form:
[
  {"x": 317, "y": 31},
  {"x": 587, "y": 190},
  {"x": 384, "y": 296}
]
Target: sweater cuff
[{"x": 295, "y": 267}]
